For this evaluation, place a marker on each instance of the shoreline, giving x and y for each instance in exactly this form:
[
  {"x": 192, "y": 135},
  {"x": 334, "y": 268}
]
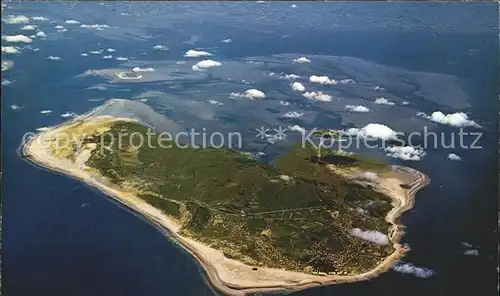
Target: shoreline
[{"x": 229, "y": 276}]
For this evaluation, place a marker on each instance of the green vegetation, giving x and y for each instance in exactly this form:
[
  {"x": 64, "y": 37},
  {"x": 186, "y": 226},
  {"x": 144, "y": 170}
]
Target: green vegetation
[{"x": 295, "y": 214}]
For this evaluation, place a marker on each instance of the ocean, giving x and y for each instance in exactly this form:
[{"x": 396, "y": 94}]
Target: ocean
[{"x": 61, "y": 237}]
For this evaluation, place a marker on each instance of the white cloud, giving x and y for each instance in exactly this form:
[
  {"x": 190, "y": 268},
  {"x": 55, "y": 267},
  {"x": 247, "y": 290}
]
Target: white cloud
[
  {"x": 383, "y": 101},
  {"x": 72, "y": 22},
  {"x": 10, "y": 49},
  {"x": 467, "y": 244},
  {"x": 84, "y": 54},
  {"x": 293, "y": 6},
  {"x": 54, "y": 58},
  {"x": 249, "y": 94},
  {"x": 110, "y": 50},
  {"x": 214, "y": 102},
  {"x": 121, "y": 58},
  {"x": 285, "y": 178},
  {"x": 368, "y": 176},
  {"x": 325, "y": 80},
  {"x": 284, "y": 103},
  {"x": 361, "y": 211},
  {"x": 405, "y": 152},
  {"x": 374, "y": 130},
  {"x": 404, "y": 103},
  {"x": 318, "y": 96},
  {"x": 94, "y": 26},
  {"x": 40, "y": 34},
  {"x": 28, "y": 28},
  {"x": 93, "y": 72},
  {"x": 192, "y": 53},
  {"x": 291, "y": 76},
  {"x": 16, "y": 19},
  {"x": 96, "y": 51},
  {"x": 453, "y": 156},
  {"x": 359, "y": 108},
  {"x": 15, "y": 107},
  {"x": 286, "y": 76},
  {"x": 6, "y": 82},
  {"x": 39, "y": 18},
  {"x": 68, "y": 114},
  {"x": 138, "y": 69},
  {"x": 45, "y": 111},
  {"x": 297, "y": 128},
  {"x": 17, "y": 38},
  {"x": 62, "y": 30},
  {"x": 302, "y": 60},
  {"x": 59, "y": 27},
  {"x": 408, "y": 268},
  {"x": 458, "y": 119},
  {"x": 471, "y": 253},
  {"x": 372, "y": 236},
  {"x": 205, "y": 64},
  {"x": 6, "y": 65},
  {"x": 297, "y": 86},
  {"x": 226, "y": 40},
  {"x": 107, "y": 57},
  {"x": 292, "y": 114},
  {"x": 161, "y": 47}
]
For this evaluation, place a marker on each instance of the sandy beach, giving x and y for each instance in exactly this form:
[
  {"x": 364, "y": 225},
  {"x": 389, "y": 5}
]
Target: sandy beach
[{"x": 228, "y": 276}]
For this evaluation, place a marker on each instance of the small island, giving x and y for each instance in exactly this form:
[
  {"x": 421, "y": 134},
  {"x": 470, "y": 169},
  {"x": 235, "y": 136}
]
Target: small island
[
  {"x": 327, "y": 133},
  {"x": 128, "y": 75},
  {"x": 305, "y": 220}
]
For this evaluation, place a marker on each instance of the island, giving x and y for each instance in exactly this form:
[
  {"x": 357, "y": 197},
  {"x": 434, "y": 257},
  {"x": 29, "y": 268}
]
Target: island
[
  {"x": 128, "y": 75},
  {"x": 311, "y": 217},
  {"x": 327, "y": 133}
]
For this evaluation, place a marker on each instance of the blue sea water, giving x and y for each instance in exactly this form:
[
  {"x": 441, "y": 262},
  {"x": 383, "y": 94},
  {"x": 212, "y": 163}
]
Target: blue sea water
[{"x": 61, "y": 237}]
